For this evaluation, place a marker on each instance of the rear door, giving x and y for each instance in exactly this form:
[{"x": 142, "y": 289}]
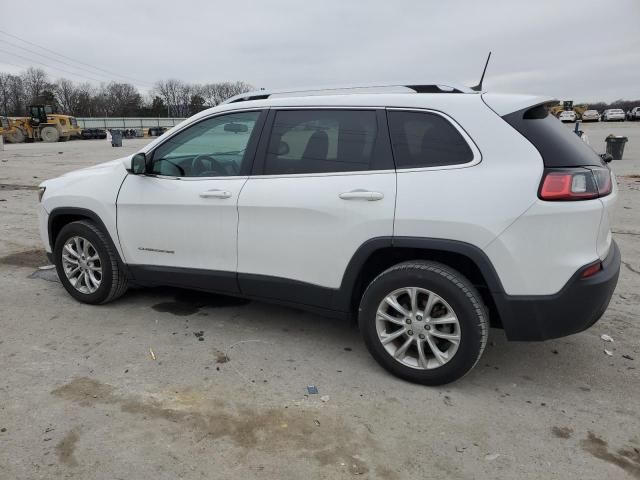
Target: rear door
[{"x": 323, "y": 184}]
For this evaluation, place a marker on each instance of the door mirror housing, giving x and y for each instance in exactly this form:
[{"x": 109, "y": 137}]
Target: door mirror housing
[{"x": 139, "y": 164}]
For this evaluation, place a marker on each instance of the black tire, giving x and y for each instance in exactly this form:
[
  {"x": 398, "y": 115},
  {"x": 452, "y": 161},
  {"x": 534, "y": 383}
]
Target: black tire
[
  {"x": 452, "y": 287},
  {"x": 18, "y": 136},
  {"x": 49, "y": 134},
  {"x": 114, "y": 279}
]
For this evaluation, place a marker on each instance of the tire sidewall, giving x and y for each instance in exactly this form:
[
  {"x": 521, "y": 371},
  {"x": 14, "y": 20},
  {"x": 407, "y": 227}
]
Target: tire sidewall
[
  {"x": 80, "y": 229},
  {"x": 471, "y": 335}
]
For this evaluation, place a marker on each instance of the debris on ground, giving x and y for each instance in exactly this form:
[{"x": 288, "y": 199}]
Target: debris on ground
[
  {"x": 627, "y": 356},
  {"x": 312, "y": 389},
  {"x": 50, "y": 275},
  {"x": 199, "y": 335},
  {"x": 608, "y": 352},
  {"x": 460, "y": 449},
  {"x": 325, "y": 398},
  {"x": 317, "y": 422},
  {"x": 606, "y": 337},
  {"x": 153, "y": 355},
  {"x": 491, "y": 457}
]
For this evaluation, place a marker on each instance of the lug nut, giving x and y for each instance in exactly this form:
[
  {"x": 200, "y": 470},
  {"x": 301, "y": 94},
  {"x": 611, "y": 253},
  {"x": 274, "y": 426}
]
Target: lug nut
[
  {"x": 410, "y": 332},
  {"x": 427, "y": 327},
  {"x": 408, "y": 321},
  {"x": 419, "y": 318}
]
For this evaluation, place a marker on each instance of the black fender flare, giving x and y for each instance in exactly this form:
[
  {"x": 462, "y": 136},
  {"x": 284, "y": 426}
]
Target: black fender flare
[
  {"x": 368, "y": 248},
  {"x": 82, "y": 213}
]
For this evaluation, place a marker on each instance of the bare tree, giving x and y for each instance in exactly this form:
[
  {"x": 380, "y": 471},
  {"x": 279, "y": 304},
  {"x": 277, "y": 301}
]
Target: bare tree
[
  {"x": 122, "y": 99},
  {"x": 66, "y": 93},
  {"x": 35, "y": 82},
  {"x": 216, "y": 93},
  {"x": 12, "y": 95},
  {"x": 4, "y": 93},
  {"x": 176, "y": 95},
  {"x": 170, "y": 97}
]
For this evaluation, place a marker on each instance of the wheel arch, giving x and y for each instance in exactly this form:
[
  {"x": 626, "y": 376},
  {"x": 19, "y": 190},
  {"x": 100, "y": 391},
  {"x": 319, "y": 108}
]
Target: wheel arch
[
  {"x": 376, "y": 255},
  {"x": 61, "y": 216}
]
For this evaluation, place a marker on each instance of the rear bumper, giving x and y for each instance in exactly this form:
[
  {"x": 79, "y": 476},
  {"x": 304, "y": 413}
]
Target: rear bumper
[{"x": 579, "y": 305}]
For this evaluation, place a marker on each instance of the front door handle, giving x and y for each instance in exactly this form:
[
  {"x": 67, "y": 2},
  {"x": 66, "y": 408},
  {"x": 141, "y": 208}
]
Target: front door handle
[
  {"x": 216, "y": 193},
  {"x": 360, "y": 194}
]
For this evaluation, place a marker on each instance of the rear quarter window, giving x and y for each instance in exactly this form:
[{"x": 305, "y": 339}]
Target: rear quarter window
[
  {"x": 423, "y": 139},
  {"x": 557, "y": 144}
]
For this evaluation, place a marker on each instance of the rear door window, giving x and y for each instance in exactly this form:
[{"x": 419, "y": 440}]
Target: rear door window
[
  {"x": 324, "y": 141},
  {"x": 423, "y": 139}
]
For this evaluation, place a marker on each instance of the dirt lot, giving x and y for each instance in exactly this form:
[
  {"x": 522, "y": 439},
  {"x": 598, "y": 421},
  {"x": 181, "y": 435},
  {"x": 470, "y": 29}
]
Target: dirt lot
[{"x": 224, "y": 393}]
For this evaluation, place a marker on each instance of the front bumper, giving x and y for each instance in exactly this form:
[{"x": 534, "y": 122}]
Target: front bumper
[{"x": 579, "y": 305}]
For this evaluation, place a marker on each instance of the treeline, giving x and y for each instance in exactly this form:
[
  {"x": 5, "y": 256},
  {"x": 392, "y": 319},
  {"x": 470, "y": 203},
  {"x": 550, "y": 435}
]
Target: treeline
[
  {"x": 170, "y": 98},
  {"x": 625, "y": 105}
]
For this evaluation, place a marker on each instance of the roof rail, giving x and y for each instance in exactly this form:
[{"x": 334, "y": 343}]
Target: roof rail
[{"x": 405, "y": 87}]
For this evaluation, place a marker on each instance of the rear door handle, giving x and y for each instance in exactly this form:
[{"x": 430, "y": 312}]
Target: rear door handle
[
  {"x": 215, "y": 193},
  {"x": 360, "y": 194}
]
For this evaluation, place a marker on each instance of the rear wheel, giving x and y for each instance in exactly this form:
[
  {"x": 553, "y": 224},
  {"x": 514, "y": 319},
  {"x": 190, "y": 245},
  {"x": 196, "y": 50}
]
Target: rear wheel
[
  {"x": 424, "y": 322},
  {"x": 87, "y": 264},
  {"x": 49, "y": 134}
]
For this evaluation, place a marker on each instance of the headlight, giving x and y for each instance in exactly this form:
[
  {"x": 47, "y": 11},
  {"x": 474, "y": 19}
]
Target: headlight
[{"x": 41, "y": 193}]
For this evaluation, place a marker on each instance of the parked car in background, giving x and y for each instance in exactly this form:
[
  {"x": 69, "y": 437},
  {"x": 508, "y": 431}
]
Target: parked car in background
[
  {"x": 567, "y": 116},
  {"x": 591, "y": 116},
  {"x": 633, "y": 114},
  {"x": 317, "y": 200},
  {"x": 613, "y": 115}
]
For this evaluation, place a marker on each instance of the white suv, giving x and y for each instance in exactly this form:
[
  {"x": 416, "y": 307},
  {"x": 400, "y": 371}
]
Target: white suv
[{"x": 427, "y": 212}]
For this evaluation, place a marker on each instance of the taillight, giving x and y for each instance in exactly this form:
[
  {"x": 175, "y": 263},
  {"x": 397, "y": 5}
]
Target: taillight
[{"x": 583, "y": 183}]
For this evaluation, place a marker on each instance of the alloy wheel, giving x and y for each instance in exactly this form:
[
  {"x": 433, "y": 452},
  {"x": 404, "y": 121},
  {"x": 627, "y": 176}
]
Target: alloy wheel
[
  {"x": 81, "y": 264},
  {"x": 418, "y": 328}
]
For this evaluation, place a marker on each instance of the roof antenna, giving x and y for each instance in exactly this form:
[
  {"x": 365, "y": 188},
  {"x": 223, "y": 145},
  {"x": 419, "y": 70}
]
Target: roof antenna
[{"x": 478, "y": 88}]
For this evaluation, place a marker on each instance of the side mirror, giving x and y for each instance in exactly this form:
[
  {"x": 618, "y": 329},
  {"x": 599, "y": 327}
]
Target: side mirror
[
  {"x": 139, "y": 164},
  {"x": 606, "y": 157}
]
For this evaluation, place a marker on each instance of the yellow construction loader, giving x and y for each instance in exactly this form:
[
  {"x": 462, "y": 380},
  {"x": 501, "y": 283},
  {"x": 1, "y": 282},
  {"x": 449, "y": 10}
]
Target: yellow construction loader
[
  {"x": 5, "y": 127},
  {"x": 43, "y": 125},
  {"x": 569, "y": 105}
]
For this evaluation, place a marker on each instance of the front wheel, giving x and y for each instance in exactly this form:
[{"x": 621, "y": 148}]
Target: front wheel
[
  {"x": 424, "y": 322},
  {"x": 18, "y": 136},
  {"x": 87, "y": 264}
]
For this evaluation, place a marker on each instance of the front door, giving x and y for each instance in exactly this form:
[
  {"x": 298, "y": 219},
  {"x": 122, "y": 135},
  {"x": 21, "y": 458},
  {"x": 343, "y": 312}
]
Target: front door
[{"x": 178, "y": 224}]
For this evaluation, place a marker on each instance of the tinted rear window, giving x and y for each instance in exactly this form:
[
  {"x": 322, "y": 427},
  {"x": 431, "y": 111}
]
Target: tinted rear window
[
  {"x": 322, "y": 141},
  {"x": 557, "y": 144},
  {"x": 423, "y": 139}
]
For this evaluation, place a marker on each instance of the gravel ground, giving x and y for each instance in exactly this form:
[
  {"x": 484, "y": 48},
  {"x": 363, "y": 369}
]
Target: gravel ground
[{"x": 168, "y": 384}]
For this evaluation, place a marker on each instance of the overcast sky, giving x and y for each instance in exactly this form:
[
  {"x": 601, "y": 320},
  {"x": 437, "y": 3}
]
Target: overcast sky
[{"x": 583, "y": 50}]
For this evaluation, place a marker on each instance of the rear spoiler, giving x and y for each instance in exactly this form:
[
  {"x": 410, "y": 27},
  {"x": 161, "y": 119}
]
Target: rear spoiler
[{"x": 504, "y": 104}]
